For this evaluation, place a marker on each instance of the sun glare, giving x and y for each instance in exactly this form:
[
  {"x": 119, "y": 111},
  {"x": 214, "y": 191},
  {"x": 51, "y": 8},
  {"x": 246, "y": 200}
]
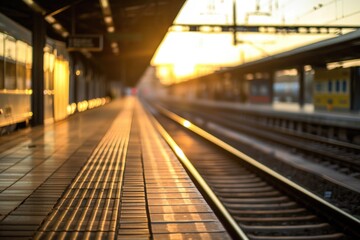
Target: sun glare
[
  {"x": 183, "y": 55},
  {"x": 183, "y": 69},
  {"x": 186, "y": 124}
]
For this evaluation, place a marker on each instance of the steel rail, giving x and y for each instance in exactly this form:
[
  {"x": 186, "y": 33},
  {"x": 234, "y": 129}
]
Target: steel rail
[
  {"x": 348, "y": 221},
  {"x": 281, "y": 136},
  {"x": 343, "y": 154},
  {"x": 235, "y": 117},
  {"x": 230, "y": 224}
]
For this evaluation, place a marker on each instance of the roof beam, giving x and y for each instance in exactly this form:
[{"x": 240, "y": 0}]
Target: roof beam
[
  {"x": 298, "y": 29},
  {"x": 60, "y": 10}
]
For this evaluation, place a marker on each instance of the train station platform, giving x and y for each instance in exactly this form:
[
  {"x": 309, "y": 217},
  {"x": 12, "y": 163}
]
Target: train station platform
[
  {"x": 334, "y": 125},
  {"x": 307, "y": 113},
  {"x": 101, "y": 174}
]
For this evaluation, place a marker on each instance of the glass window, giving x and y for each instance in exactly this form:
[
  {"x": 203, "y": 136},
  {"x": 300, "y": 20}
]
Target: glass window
[
  {"x": 29, "y": 55},
  {"x": 324, "y": 87},
  {"x": 254, "y": 90},
  {"x": 329, "y": 86},
  {"x": 46, "y": 80},
  {"x": 2, "y": 37},
  {"x": 28, "y": 67},
  {"x": 21, "y": 51},
  {"x": 51, "y": 61},
  {"x": 46, "y": 61},
  {"x": 10, "y": 48},
  {"x": 337, "y": 85},
  {"x": 20, "y": 75},
  {"x": 263, "y": 90},
  {"x": 2, "y": 46},
  {"x": 1, "y": 73},
  {"x": 51, "y": 71},
  {"x": 46, "y": 70},
  {"x": 344, "y": 86},
  {"x": 10, "y": 73},
  {"x": 10, "y": 66}
]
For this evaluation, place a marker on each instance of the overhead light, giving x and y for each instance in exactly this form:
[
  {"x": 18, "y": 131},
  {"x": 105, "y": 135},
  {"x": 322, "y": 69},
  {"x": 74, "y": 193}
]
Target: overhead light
[
  {"x": 104, "y": 3},
  {"x": 28, "y": 2},
  {"x": 57, "y": 26},
  {"x": 178, "y": 28},
  {"x": 108, "y": 19},
  {"x": 106, "y": 11},
  {"x": 206, "y": 29},
  {"x": 34, "y": 6},
  {"x": 65, "y": 34},
  {"x": 50, "y": 19}
]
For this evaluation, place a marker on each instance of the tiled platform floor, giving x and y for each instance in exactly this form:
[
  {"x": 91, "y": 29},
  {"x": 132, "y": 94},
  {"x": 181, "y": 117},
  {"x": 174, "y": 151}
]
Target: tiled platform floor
[{"x": 101, "y": 174}]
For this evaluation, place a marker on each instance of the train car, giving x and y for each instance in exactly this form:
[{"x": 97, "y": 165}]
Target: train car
[
  {"x": 226, "y": 86},
  {"x": 286, "y": 86},
  {"x": 56, "y": 81},
  {"x": 260, "y": 88},
  {"x": 15, "y": 74},
  {"x": 15, "y": 77},
  {"x": 335, "y": 89}
]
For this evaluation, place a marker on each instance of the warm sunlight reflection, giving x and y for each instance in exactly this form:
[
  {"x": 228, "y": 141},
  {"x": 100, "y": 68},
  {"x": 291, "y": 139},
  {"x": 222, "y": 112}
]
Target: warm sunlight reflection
[
  {"x": 183, "y": 68},
  {"x": 186, "y": 124},
  {"x": 179, "y": 152},
  {"x": 183, "y": 55}
]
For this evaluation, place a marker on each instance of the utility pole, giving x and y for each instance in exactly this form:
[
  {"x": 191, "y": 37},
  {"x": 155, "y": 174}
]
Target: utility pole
[{"x": 234, "y": 23}]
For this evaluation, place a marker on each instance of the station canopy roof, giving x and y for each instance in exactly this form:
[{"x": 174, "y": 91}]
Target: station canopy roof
[
  {"x": 338, "y": 49},
  {"x": 138, "y": 28}
]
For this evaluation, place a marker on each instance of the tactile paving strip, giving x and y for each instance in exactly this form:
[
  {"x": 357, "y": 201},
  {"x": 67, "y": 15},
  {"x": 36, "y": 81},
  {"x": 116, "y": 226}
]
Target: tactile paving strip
[
  {"x": 90, "y": 206},
  {"x": 176, "y": 208},
  {"x": 134, "y": 214}
]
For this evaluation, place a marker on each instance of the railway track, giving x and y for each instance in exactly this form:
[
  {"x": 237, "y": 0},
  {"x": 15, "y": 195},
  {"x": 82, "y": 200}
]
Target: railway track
[
  {"x": 342, "y": 156},
  {"x": 254, "y": 201}
]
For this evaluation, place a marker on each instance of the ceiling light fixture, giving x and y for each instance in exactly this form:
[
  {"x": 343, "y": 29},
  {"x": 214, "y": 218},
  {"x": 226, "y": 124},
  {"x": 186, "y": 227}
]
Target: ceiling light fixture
[
  {"x": 50, "y": 19},
  {"x": 33, "y": 5},
  {"x": 108, "y": 19},
  {"x": 104, "y": 3},
  {"x": 65, "y": 34},
  {"x": 57, "y": 26}
]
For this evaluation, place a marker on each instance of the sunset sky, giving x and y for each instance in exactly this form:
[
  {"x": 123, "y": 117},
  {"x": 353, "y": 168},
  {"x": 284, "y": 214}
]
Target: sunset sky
[{"x": 183, "y": 55}]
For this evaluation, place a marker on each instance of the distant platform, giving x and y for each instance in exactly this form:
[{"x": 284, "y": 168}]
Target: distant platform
[{"x": 291, "y": 111}]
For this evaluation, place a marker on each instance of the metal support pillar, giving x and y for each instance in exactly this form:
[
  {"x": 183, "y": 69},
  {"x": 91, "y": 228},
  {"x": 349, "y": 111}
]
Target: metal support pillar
[
  {"x": 74, "y": 58},
  {"x": 271, "y": 86},
  {"x": 301, "y": 73},
  {"x": 234, "y": 22},
  {"x": 73, "y": 79},
  {"x": 77, "y": 80},
  {"x": 37, "y": 72},
  {"x": 123, "y": 71}
]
